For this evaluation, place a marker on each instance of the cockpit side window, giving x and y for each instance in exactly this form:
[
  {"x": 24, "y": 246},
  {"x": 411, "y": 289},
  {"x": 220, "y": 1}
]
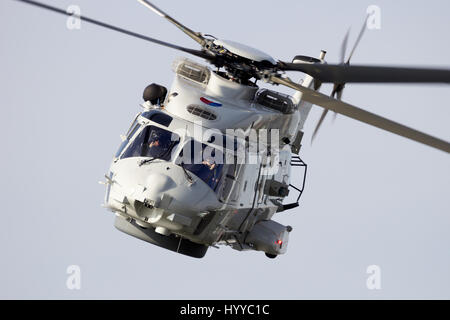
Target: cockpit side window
[
  {"x": 133, "y": 131},
  {"x": 135, "y": 125},
  {"x": 121, "y": 147},
  {"x": 153, "y": 142}
]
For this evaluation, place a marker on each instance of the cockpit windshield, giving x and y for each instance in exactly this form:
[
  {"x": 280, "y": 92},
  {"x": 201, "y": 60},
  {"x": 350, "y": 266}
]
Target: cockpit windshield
[
  {"x": 204, "y": 161},
  {"x": 152, "y": 142}
]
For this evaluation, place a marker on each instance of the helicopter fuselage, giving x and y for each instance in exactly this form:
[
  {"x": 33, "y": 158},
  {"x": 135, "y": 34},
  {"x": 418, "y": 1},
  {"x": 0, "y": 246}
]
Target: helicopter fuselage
[{"x": 207, "y": 202}]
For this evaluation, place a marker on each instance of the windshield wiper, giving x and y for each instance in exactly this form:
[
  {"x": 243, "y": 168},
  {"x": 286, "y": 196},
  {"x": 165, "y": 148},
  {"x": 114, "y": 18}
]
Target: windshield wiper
[
  {"x": 186, "y": 173},
  {"x": 161, "y": 155},
  {"x": 145, "y": 161}
]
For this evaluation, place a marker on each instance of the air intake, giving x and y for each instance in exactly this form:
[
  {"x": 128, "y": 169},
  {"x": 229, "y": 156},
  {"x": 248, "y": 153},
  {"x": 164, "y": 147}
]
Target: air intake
[
  {"x": 275, "y": 100},
  {"x": 199, "y": 111}
]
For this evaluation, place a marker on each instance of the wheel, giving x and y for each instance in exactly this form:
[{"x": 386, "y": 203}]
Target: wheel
[{"x": 271, "y": 256}]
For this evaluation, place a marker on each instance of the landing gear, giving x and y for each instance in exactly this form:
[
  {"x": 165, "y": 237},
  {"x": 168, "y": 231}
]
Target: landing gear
[{"x": 271, "y": 256}]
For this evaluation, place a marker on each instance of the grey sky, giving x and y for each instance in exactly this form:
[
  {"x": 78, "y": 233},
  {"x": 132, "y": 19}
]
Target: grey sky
[{"x": 371, "y": 197}]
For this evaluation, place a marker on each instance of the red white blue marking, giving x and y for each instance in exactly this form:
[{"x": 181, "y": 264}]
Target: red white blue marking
[{"x": 210, "y": 103}]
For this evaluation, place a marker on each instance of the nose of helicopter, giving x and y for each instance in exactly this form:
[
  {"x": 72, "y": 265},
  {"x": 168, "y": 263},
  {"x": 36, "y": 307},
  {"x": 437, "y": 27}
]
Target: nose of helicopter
[{"x": 161, "y": 186}]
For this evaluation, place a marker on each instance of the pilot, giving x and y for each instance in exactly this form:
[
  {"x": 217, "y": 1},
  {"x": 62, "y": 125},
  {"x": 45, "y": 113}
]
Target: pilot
[
  {"x": 154, "y": 140},
  {"x": 154, "y": 143},
  {"x": 213, "y": 178},
  {"x": 209, "y": 163}
]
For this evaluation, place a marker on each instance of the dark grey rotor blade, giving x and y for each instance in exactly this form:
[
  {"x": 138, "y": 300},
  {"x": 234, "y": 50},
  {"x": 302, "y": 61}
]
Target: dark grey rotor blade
[
  {"x": 356, "y": 113},
  {"x": 194, "y": 35},
  {"x": 337, "y": 91},
  {"x": 344, "y": 47},
  {"x": 319, "y": 123},
  {"x": 368, "y": 74},
  {"x": 197, "y": 53},
  {"x": 339, "y": 97},
  {"x": 361, "y": 33}
]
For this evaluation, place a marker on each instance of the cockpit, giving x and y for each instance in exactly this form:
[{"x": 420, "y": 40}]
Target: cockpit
[
  {"x": 149, "y": 141},
  {"x": 153, "y": 142},
  {"x": 152, "y": 115}
]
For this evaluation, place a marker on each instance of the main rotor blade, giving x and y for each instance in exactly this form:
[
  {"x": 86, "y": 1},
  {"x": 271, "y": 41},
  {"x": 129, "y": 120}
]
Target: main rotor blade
[
  {"x": 197, "y": 53},
  {"x": 361, "y": 33},
  {"x": 356, "y": 113},
  {"x": 194, "y": 35},
  {"x": 368, "y": 74},
  {"x": 319, "y": 123},
  {"x": 344, "y": 47},
  {"x": 337, "y": 91}
]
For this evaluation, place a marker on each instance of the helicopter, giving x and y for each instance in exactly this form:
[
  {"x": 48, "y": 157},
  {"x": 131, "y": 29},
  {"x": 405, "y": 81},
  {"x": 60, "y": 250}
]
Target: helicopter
[{"x": 209, "y": 161}]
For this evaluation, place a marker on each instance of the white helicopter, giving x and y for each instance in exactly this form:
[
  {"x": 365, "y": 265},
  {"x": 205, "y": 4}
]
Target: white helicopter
[{"x": 209, "y": 161}]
